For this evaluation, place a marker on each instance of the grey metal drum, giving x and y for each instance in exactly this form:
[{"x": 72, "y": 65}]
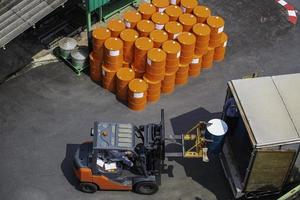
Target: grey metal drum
[
  {"x": 66, "y": 46},
  {"x": 215, "y": 131}
]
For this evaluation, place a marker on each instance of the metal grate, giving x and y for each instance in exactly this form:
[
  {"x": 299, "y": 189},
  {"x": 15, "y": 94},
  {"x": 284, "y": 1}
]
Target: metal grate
[{"x": 17, "y": 16}]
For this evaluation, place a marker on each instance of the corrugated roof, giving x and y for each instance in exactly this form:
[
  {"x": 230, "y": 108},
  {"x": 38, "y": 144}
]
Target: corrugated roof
[
  {"x": 271, "y": 106},
  {"x": 16, "y": 16}
]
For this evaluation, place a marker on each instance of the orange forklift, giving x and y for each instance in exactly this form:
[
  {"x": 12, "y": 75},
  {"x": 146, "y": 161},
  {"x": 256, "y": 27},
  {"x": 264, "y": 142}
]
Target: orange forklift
[{"x": 122, "y": 157}]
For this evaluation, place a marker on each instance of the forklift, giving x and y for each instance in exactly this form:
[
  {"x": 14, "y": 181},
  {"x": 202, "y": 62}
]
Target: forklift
[
  {"x": 122, "y": 157},
  {"x": 127, "y": 157}
]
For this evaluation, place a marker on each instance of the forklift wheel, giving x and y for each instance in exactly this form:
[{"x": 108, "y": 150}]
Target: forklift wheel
[
  {"x": 88, "y": 187},
  {"x": 147, "y": 188}
]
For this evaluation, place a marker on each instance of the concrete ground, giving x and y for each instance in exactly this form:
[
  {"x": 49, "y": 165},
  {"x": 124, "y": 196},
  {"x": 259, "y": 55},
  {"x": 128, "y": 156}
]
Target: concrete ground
[{"x": 48, "y": 110}]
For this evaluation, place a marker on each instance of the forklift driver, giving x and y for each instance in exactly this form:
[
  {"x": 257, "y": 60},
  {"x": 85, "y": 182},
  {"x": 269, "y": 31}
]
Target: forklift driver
[
  {"x": 123, "y": 157},
  {"x": 231, "y": 113}
]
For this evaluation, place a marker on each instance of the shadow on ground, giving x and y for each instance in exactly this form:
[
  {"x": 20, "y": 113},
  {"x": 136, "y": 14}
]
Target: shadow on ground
[{"x": 67, "y": 165}]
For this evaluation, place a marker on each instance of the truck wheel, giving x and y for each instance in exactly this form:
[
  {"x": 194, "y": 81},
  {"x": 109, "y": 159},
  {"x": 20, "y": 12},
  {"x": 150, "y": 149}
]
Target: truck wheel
[
  {"x": 147, "y": 188},
  {"x": 88, "y": 187}
]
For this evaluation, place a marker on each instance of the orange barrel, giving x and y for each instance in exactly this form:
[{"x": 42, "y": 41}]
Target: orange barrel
[
  {"x": 195, "y": 66},
  {"x": 145, "y": 27},
  {"x": 172, "y": 49},
  {"x": 202, "y": 33},
  {"x": 158, "y": 37},
  {"x": 116, "y": 27},
  {"x": 128, "y": 36},
  {"x": 216, "y": 24},
  {"x": 187, "y": 6},
  {"x": 208, "y": 58},
  {"x": 201, "y": 13},
  {"x": 95, "y": 66},
  {"x": 173, "y": 29},
  {"x": 131, "y": 18},
  {"x": 187, "y": 41},
  {"x": 99, "y": 36},
  {"x": 126, "y": 64},
  {"x": 108, "y": 79},
  {"x": 138, "y": 73},
  {"x": 160, "y": 5},
  {"x": 182, "y": 74},
  {"x": 156, "y": 63},
  {"x": 220, "y": 51},
  {"x": 153, "y": 92},
  {"x": 160, "y": 19},
  {"x": 174, "y": 2},
  {"x": 187, "y": 20},
  {"x": 124, "y": 76},
  {"x": 137, "y": 94},
  {"x": 113, "y": 54},
  {"x": 146, "y": 10},
  {"x": 168, "y": 84},
  {"x": 142, "y": 45},
  {"x": 173, "y": 12}
]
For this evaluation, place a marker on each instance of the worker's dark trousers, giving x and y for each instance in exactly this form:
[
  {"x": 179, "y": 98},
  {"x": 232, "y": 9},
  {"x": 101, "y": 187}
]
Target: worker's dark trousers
[{"x": 232, "y": 124}]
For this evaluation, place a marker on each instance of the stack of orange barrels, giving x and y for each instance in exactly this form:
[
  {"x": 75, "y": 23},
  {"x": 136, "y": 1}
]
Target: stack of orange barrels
[
  {"x": 99, "y": 36},
  {"x": 154, "y": 48},
  {"x": 113, "y": 60}
]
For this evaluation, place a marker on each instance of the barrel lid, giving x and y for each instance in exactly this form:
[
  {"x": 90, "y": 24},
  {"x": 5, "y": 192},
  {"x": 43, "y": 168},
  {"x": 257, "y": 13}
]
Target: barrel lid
[
  {"x": 160, "y": 3},
  {"x": 210, "y": 48},
  {"x": 132, "y": 16},
  {"x": 158, "y": 36},
  {"x": 217, "y": 127},
  {"x": 150, "y": 81},
  {"x": 197, "y": 56},
  {"x": 186, "y": 38},
  {"x": 187, "y": 19},
  {"x": 215, "y": 21},
  {"x": 79, "y": 55},
  {"x": 173, "y": 11},
  {"x": 189, "y": 3},
  {"x": 145, "y": 26},
  {"x": 160, "y": 18},
  {"x": 107, "y": 70},
  {"x": 67, "y": 43},
  {"x": 125, "y": 74},
  {"x": 201, "y": 29},
  {"x": 144, "y": 43},
  {"x": 116, "y": 25},
  {"x": 156, "y": 55},
  {"x": 170, "y": 74},
  {"x": 173, "y": 27},
  {"x": 224, "y": 37},
  {"x": 202, "y": 11},
  {"x": 171, "y": 46},
  {"x": 101, "y": 33},
  {"x": 137, "y": 85},
  {"x": 183, "y": 65},
  {"x": 129, "y": 35},
  {"x": 113, "y": 44},
  {"x": 147, "y": 8}
]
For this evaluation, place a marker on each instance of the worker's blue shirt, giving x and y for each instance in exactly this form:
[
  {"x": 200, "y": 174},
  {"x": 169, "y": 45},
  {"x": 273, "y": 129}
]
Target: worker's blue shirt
[{"x": 230, "y": 107}]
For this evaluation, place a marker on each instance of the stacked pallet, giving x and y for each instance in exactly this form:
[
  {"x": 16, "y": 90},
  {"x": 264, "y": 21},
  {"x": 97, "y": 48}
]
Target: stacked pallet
[{"x": 155, "y": 48}]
